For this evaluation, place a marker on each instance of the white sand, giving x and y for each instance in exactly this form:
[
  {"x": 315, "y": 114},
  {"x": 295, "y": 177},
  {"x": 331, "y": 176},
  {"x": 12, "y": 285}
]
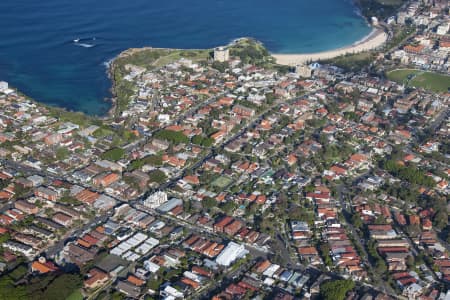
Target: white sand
[{"x": 374, "y": 40}]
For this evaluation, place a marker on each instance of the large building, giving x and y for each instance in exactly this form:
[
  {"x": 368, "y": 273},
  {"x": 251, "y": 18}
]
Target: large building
[
  {"x": 442, "y": 29},
  {"x": 156, "y": 199},
  {"x": 232, "y": 252},
  {"x": 221, "y": 54},
  {"x": 303, "y": 71}
]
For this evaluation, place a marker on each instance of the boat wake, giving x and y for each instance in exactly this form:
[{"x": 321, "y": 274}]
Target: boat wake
[
  {"x": 78, "y": 42},
  {"x": 85, "y": 45}
]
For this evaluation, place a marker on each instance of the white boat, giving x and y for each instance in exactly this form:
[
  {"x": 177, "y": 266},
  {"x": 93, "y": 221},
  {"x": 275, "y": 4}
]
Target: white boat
[{"x": 76, "y": 40}]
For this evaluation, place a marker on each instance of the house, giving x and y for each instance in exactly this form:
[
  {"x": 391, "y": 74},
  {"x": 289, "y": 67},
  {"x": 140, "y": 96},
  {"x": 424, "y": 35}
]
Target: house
[
  {"x": 191, "y": 179},
  {"x": 26, "y": 207},
  {"x": 106, "y": 179},
  {"x": 427, "y": 224},
  {"x": 78, "y": 255},
  {"x": 414, "y": 49},
  {"x": 43, "y": 266},
  {"x": 220, "y": 226},
  {"x": 96, "y": 278},
  {"x": 63, "y": 219},
  {"x": 128, "y": 289},
  {"x": 53, "y": 139},
  {"x": 46, "y": 193},
  {"x": 218, "y": 136},
  {"x": 19, "y": 247},
  {"x": 233, "y": 227},
  {"x": 243, "y": 111}
]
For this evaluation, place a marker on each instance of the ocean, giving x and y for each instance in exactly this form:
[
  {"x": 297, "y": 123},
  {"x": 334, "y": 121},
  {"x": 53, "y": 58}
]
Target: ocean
[{"x": 39, "y": 57}]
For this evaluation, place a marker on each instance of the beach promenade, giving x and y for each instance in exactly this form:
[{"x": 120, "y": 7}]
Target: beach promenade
[{"x": 374, "y": 40}]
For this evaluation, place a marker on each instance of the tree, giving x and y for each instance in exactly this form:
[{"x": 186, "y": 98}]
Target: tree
[
  {"x": 113, "y": 154},
  {"x": 228, "y": 207},
  {"x": 410, "y": 173},
  {"x": 8, "y": 291},
  {"x": 410, "y": 261},
  {"x": 157, "y": 176},
  {"x": 62, "y": 153},
  {"x": 197, "y": 139},
  {"x": 209, "y": 203},
  {"x": 336, "y": 289},
  {"x": 203, "y": 141},
  {"x": 220, "y": 66},
  {"x": 324, "y": 249},
  {"x": 356, "y": 220},
  {"x": 55, "y": 286},
  {"x": 175, "y": 137},
  {"x": 5, "y": 237},
  {"x": 441, "y": 218}
]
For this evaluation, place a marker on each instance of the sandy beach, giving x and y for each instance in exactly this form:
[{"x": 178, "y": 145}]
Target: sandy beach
[{"x": 375, "y": 39}]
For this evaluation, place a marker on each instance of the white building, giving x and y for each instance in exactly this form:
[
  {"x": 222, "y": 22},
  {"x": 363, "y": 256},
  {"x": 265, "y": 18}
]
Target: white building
[
  {"x": 170, "y": 292},
  {"x": 221, "y": 54},
  {"x": 442, "y": 29},
  {"x": 3, "y": 86},
  {"x": 19, "y": 247},
  {"x": 303, "y": 71},
  {"x": 155, "y": 199},
  {"x": 231, "y": 252},
  {"x": 151, "y": 267}
]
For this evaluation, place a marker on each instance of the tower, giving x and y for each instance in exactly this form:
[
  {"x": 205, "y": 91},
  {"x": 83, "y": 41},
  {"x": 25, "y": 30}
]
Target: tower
[{"x": 221, "y": 54}]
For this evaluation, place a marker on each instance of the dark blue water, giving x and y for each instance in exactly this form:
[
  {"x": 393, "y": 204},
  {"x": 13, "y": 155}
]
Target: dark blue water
[{"x": 37, "y": 53}]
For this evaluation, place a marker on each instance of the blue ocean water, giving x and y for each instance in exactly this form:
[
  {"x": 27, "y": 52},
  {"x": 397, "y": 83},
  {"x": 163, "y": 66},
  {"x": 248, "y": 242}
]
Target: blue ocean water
[{"x": 38, "y": 55}]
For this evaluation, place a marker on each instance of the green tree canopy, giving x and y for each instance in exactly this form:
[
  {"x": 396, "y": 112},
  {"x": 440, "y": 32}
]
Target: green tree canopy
[
  {"x": 175, "y": 137},
  {"x": 336, "y": 289}
]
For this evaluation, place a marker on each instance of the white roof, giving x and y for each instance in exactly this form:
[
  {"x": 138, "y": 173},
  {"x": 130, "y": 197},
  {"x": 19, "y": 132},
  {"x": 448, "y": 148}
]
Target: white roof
[
  {"x": 271, "y": 270},
  {"x": 232, "y": 252},
  {"x": 174, "y": 292},
  {"x": 151, "y": 267}
]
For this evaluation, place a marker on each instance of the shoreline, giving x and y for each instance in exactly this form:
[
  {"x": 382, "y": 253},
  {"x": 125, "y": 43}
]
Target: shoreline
[{"x": 376, "y": 38}]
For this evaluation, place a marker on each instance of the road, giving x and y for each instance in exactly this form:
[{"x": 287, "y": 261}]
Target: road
[
  {"x": 55, "y": 249},
  {"x": 348, "y": 210},
  {"x": 438, "y": 120}
]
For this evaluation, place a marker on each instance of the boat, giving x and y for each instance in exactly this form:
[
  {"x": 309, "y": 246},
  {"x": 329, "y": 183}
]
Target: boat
[{"x": 76, "y": 40}]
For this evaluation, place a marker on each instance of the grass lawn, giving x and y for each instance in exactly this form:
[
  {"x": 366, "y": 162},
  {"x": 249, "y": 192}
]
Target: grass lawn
[
  {"x": 420, "y": 79},
  {"x": 222, "y": 182},
  {"x": 401, "y": 74},
  {"x": 18, "y": 272},
  {"x": 76, "y": 295},
  {"x": 432, "y": 81},
  {"x": 352, "y": 62},
  {"x": 194, "y": 55}
]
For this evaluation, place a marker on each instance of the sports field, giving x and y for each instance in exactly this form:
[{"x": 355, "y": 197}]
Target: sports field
[
  {"x": 222, "y": 182},
  {"x": 416, "y": 78}
]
